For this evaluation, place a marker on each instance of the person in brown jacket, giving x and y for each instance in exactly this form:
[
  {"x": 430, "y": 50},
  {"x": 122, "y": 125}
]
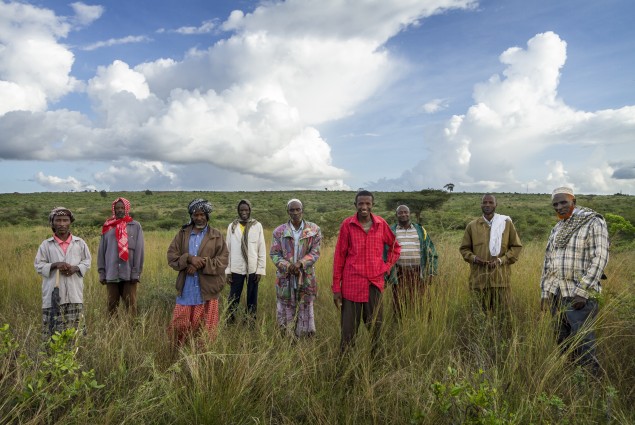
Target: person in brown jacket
[
  {"x": 199, "y": 253},
  {"x": 491, "y": 245}
]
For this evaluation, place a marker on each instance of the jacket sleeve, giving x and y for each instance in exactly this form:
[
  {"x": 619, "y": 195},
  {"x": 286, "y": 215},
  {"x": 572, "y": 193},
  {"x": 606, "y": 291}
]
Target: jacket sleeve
[
  {"x": 228, "y": 241},
  {"x": 466, "y": 245},
  {"x": 432, "y": 258},
  {"x": 84, "y": 262},
  {"x": 139, "y": 254},
  {"x": 514, "y": 246},
  {"x": 261, "y": 265},
  {"x": 216, "y": 263},
  {"x": 276, "y": 253},
  {"x": 313, "y": 253},
  {"x": 101, "y": 259},
  {"x": 177, "y": 259},
  {"x": 42, "y": 261}
]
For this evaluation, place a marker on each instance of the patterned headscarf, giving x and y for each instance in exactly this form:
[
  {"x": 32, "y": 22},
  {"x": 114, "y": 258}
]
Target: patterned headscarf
[
  {"x": 121, "y": 228},
  {"x": 199, "y": 204},
  {"x": 60, "y": 211}
]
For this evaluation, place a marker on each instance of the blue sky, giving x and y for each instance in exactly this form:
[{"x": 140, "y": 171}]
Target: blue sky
[{"x": 244, "y": 95}]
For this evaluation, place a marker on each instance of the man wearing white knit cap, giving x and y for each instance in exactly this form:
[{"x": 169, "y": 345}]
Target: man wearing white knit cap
[
  {"x": 491, "y": 245},
  {"x": 576, "y": 255}
]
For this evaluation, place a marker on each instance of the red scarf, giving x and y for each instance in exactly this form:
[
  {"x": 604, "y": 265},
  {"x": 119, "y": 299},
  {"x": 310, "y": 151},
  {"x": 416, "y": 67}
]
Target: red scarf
[{"x": 121, "y": 228}]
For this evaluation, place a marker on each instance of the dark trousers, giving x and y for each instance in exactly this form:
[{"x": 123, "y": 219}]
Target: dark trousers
[
  {"x": 410, "y": 291},
  {"x": 494, "y": 299},
  {"x": 123, "y": 290},
  {"x": 569, "y": 323},
  {"x": 353, "y": 313},
  {"x": 236, "y": 290}
]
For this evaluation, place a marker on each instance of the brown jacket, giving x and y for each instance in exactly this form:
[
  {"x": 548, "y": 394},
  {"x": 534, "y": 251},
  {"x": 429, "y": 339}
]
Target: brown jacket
[
  {"x": 213, "y": 248},
  {"x": 476, "y": 244}
]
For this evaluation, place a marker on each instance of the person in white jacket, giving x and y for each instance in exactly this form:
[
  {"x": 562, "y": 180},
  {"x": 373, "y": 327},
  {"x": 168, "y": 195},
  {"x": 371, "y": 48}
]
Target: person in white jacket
[{"x": 247, "y": 260}]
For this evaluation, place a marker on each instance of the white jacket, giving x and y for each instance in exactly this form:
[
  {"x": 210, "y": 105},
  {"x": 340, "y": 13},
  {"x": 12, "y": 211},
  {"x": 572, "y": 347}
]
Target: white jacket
[{"x": 256, "y": 252}]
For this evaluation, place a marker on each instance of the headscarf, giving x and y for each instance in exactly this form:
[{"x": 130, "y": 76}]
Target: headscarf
[
  {"x": 121, "y": 228},
  {"x": 60, "y": 211},
  {"x": 243, "y": 201},
  {"x": 198, "y": 204}
]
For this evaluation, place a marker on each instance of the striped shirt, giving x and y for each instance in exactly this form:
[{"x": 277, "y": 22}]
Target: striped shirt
[
  {"x": 577, "y": 267},
  {"x": 408, "y": 238}
]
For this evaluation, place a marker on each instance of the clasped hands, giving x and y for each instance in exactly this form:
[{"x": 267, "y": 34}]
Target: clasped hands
[
  {"x": 492, "y": 264},
  {"x": 65, "y": 268},
  {"x": 295, "y": 268},
  {"x": 194, "y": 263}
]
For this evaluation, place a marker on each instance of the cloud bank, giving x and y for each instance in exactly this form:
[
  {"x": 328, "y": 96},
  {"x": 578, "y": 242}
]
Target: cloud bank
[
  {"x": 518, "y": 119},
  {"x": 249, "y": 104}
]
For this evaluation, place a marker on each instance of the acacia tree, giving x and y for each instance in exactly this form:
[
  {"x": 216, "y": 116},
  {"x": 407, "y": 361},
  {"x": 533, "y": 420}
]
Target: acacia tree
[
  {"x": 449, "y": 187},
  {"x": 427, "y": 199}
]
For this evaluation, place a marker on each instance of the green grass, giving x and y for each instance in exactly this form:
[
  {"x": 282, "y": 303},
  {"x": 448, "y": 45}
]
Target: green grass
[{"x": 452, "y": 368}]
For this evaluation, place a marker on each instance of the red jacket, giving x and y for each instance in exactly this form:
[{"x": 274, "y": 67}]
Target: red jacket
[{"x": 358, "y": 259}]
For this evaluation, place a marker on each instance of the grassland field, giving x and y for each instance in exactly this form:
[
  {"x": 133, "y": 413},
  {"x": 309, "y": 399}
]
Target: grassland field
[{"x": 445, "y": 362}]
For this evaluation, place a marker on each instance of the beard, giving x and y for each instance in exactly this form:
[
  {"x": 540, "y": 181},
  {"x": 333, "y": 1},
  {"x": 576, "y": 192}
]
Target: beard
[{"x": 566, "y": 215}]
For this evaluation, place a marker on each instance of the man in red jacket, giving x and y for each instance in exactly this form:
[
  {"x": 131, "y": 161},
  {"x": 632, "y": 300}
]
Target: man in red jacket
[{"x": 359, "y": 269}]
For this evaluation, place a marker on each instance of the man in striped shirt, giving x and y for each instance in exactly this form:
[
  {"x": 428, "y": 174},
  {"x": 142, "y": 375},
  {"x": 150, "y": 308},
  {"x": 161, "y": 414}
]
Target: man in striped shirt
[
  {"x": 416, "y": 265},
  {"x": 577, "y": 252}
]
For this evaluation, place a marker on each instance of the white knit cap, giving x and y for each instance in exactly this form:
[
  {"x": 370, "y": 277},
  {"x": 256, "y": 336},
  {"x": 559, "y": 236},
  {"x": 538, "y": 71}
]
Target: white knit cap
[{"x": 562, "y": 189}]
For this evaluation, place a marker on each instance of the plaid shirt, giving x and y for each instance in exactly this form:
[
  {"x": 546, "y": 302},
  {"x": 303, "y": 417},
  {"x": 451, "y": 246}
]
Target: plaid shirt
[
  {"x": 358, "y": 259},
  {"x": 577, "y": 267}
]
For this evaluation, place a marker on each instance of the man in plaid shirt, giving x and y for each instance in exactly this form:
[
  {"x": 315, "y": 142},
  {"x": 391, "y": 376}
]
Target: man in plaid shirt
[
  {"x": 577, "y": 252},
  {"x": 359, "y": 269}
]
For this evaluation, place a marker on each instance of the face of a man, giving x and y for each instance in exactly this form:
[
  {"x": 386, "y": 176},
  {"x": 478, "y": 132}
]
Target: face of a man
[
  {"x": 295, "y": 213},
  {"x": 564, "y": 205},
  {"x": 403, "y": 216},
  {"x": 364, "y": 205},
  {"x": 199, "y": 219},
  {"x": 62, "y": 226},
  {"x": 244, "y": 212},
  {"x": 488, "y": 206},
  {"x": 120, "y": 210}
]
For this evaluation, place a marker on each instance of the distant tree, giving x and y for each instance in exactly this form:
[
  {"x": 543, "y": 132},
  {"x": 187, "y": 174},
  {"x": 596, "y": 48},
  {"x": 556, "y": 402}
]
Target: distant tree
[
  {"x": 449, "y": 187},
  {"x": 427, "y": 199},
  {"x": 103, "y": 193},
  {"x": 148, "y": 192}
]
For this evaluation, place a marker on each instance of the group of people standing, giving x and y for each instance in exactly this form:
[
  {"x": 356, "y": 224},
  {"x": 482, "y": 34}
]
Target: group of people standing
[{"x": 368, "y": 255}]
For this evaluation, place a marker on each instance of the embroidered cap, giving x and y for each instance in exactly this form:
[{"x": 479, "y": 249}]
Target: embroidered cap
[{"x": 562, "y": 189}]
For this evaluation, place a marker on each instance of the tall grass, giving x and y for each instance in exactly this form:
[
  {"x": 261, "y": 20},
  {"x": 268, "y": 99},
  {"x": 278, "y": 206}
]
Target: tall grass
[{"x": 445, "y": 362}]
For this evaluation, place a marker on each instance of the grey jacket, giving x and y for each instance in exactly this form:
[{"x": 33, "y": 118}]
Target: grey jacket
[{"x": 111, "y": 268}]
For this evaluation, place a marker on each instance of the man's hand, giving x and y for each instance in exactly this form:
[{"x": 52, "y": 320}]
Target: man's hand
[
  {"x": 229, "y": 279},
  {"x": 479, "y": 262},
  {"x": 578, "y": 302},
  {"x": 337, "y": 299},
  {"x": 257, "y": 279},
  {"x": 198, "y": 262},
  {"x": 191, "y": 269}
]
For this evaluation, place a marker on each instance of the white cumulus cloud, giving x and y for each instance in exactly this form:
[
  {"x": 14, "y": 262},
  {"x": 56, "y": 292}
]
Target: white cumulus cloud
[
  {"x": 249, "y": 104},
  {"x": 519, "y": 119},
  {"x": 61, "y": 184}
]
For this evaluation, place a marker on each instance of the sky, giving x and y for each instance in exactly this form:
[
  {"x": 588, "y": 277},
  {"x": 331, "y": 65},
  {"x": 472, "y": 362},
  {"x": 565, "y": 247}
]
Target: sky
[{"x": 227, "y": 95}]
